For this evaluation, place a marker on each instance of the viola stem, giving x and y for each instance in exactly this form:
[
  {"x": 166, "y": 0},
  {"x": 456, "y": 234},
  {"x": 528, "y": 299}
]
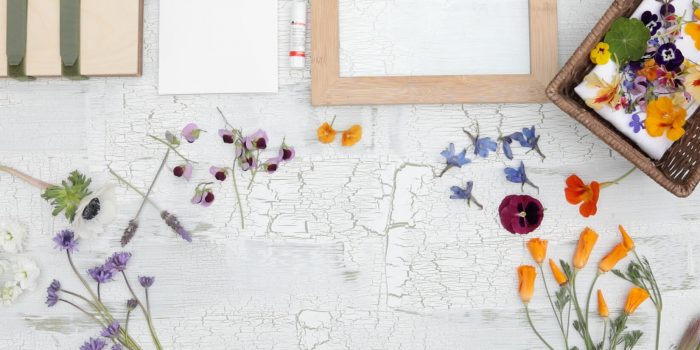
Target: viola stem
[{"x": 618, "y": 180}]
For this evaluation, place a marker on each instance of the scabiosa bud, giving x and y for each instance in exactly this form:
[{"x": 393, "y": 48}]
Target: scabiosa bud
[
  {"x": 191, "y": 132},
  {"x": 226, "y": 135},
  {"x": 172, "y": 221},
  {"x": 219, "y": 173},
  {"x": 183, "y": 171},
  {"x": 65, "y": 240},
  {"x": 131, "y": 304},
  {"x": 146, "y": 281},
  {"x": 118, "y": 261},
  {"x": 129, "y": 232},
  {"x": 101, "y": 274},
  {"x": 111, "y": 331}
]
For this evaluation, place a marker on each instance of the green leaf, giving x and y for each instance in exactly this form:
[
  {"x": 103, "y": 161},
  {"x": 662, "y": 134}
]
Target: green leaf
[
  {"x": 68, "y": 195},
  {"x": 628, "y": 39}
]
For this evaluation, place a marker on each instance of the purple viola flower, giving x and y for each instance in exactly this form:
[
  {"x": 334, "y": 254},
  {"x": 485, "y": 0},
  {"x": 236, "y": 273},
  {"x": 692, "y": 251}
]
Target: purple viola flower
[
  {"x": 118, "y": 261},
  {"x": 226, "y": 135},
  {"x": 94, "y": 344},
  {"x": 519, "y": 176},
  {"x": 667, "y": 8},
  {"x": 453, "y": 158},
  {"x": 101, "y": 274},
  {"x": 146, "y": 281},
  {"x": 669, "y": 56},
  {"x": 286, "y": 153},
  {"x": 65, "y": 240},
  {"x": 219, "y": 173},
  {"x": 651, "y": 21},
  {"x": 191, "y": 132},
  {"x": 272, "y": 165},
  {"x": 465, "y": 194},
  {"x": 184, "y": 171},
  {"x": 112, "y": 330},
  {"x": 637, "y": 124},
  {"x": 258, "y": 140}
]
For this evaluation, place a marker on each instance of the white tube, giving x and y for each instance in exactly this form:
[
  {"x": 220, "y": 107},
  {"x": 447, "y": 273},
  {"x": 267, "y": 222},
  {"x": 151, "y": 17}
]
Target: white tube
[{"x": 297, "y": 35}]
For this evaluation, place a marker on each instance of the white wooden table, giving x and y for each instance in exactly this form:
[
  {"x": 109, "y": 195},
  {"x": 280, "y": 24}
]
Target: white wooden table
[{"x": 355, "y": 248}]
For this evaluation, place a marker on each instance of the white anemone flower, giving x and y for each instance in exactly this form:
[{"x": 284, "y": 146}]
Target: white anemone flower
[
  {"x": 95, "y": 212},
  {"x": 9, "y": 294},
  {"x": 12, "y": 236},
  {"x": 26, "y": 273}
]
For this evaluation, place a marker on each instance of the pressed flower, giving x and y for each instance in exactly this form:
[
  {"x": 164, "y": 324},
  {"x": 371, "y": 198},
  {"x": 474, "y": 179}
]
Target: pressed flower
[
  {"x": 219, "y": 173},
  {"x": 559, "y": 276},
  {"x": 526, "y": 286},
  {"x": 26, "y": 273},
  {"x": 577, "y": 192},
  {"x": 693, "y": 30},
  {"x": 256, "y": 141},
  {"x": 146, "y": 281},
  {"x": 118, "y": 261},
  {"x": 96, "y": 211},
  {"x": 65, "y": 240},
  {"x": 586, "y": 242},
  {"x": 112, "y": 330},
  {"x": 271, "y": 165},
  {"x": 664, "y": 117},
  {"x": 286, "y": 152},
  {"x": 538, "y": 249},
  {"x": 626, "y": 239},
  {"x": 602, "y": 306},
  {"x": 520, "y": 214},
  {"x": 93, "y": 344},
  {"x": 482, "y": 145},
  {"x": 507, "y": 141},
  {"x": 191, "y": 132},
  {"x": 326, "y": 133},
  {"x": 649, "y": 70},
  {"x": 352, "y": 136},
  {"x": 519, "y": 176},
  {"x": 203, "y": 195},
  {"x": 618, "y": 253},
  {"x": 635, "y": 298},
  {"x": 465, "y": 194},
  {"x": 117, "y": 347},
  {"x": 669, "y": 56},
  {"x": 600, "y": 53},
  {"x": 667, "y": 8},
  {"x": 636, "y": 124},
  {"x": 51, "y": 298},
  {"x": 651, "y": 21},
  {"x": 453, "y": 158},
  {"x": 226, "y": 135},
  {"x": 184, "y": 171},
  {"x": 68, "y": 196},
  {"x": 607, "y": 94},
  {"x": 12, "y": 236}
]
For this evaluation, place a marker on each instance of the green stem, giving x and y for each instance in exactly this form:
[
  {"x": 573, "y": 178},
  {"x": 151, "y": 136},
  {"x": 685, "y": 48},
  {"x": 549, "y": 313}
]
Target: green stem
[
  {"x": 613, "y": 341},
  {"x": 172, "y": 148},
  {"x": 581, "y": 318},
  {"x": 529, "y": 320},
  {"x": 126, "y": 322},
  {"x": 590, "y": 292},
  {"x": 149, "y": 321},
  {"x": 133, "y": 188},
  {"x": 26, "y": 178},
  {"x": 618, "y": 180},
  {"x": 153, "y": 183},
  {"x": 658, "y": 327},
  {"x": 605, "y": 332},
  {"x": 554, "y": 309},
  {"x": 238, "y": 195},
  {"x": 100, "y": 322}
]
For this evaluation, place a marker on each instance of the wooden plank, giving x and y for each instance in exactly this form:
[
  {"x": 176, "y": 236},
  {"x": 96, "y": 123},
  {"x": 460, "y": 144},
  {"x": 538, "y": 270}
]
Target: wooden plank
[{"x": 43, "y": 39}]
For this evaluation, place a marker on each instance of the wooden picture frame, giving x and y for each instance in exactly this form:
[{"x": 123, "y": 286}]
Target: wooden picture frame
[{"x": 329, "y": 88}]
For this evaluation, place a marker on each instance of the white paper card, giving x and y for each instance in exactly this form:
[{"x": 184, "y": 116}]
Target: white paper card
[{"x": 218, "y": 46}]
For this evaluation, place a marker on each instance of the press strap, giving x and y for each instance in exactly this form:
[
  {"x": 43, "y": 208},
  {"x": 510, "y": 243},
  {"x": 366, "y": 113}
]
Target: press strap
[
  {"x": 17, "y": 39},
  {"x": 70, "y": 39}
]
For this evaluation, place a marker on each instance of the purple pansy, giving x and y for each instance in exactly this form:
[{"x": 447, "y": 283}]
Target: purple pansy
[
  {"x": 257, "y": 140},
  {"x": 651, "y": 21},
  {"x": 465, "y": 194},
  {"x": 65, "y": 240},
  {"x": 112, "y": 330},
  {"x": 191, "y": 132},
  {"x": 226, "y": 135},
  {"x": 118, "y": 261},
  {"x": 94, "y": 344},
  {"x": 518, "y": 176},
  {"x": 520, "y": 214},
  {"x": 146, "y": 281},
  {"x": 101, "y": 274},
  {"x": 669, "y": 56},
  {"x": 637, "y": 124},
  {"x": 184, "y": 171}
]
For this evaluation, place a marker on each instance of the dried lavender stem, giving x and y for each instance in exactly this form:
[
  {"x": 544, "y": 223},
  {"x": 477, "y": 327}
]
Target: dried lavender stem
[
  {"x": 26, "y": 178},
  {"x": 150, "y": 188}
]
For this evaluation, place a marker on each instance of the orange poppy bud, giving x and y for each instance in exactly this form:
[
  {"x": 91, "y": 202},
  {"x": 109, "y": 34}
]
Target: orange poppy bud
[
  {"x": 626, "y": 239},
  {"x": 526, "y": 288},
  {"x": 326, "y": 133},
  {"x": 610, "y": 260},
  {"x": 558, "y": 274},
  {"x": 636, "y": 297},
  {"x": 352, "y": 136},
  {"x": 602, "y": 306},
  {"x": 538, "y": 249},
  {"x": 584, "y": 248}
]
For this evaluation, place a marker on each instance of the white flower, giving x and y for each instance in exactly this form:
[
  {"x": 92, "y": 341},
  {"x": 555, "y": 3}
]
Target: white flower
[
  {"x": 9, "y": 294},
  {"x": 95, "y": 212},
  {"x": 26, "y": 273},
  {"x": 12, "y": 236}
]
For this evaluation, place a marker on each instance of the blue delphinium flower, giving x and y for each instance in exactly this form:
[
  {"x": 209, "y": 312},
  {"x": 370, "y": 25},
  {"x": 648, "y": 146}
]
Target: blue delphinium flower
[
  {"x": 637, "y": 124},
  {"x": 112, "y": 330},
  {"x": 118, "y": 261},
  {"x": 519, "y": 176},
  {"x": 65, "y": 240},
  {"x": 465, "y": 193},
  {"x": 528, "y": 138},
  {"x": 146, "y": 281},
  {"x": 507, "y": 150},
  {"x": 453, "y": 158},
  {"x": 94, "y": 344},
  {"x": 482, "y": 145}
]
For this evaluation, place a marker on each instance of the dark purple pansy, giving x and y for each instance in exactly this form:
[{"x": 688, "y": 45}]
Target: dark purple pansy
[
  {"x": 146, "y": 281},
  {"x": 637, "y": 124},
  {"x": 93, "y": 344},
  {"x": 65, "y": 240},
  {"x": 101, "y": 274},
  {"x": 118, "y": 261},
  {"x": 520, "y": 214},
  {"x": 669, "y": 56},
  {"x": 666, "y": 8},
  {"x": 651, "y": 21}
]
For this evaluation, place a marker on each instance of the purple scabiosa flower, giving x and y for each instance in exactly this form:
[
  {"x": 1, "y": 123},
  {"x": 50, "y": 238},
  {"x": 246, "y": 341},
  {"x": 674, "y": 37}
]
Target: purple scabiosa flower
[
  {"x": 520, "y": 214},
  {"x": 257, "y": 140},
  {"x": 94, "y": 344},
  {"x": 172, "y": 221},
  {"x": 453, "y": 158},
  {"x": 272, "y": 165},
  {"x": 226, "y": 135},
  {"x": 465, "y": 194},
  {"x": 651, "y": 21},
  {"x": 519, "y": 176},
  {"x": 286, "y": 153},
  {"x": 146, "y": 281},
  {"x": 131, "y": 304},
  {"x": 65, "y": 240},
  {"x": 191, "y": 132},
  {"x": 51, "y": 297},
  {"x": 55, "y": 286},
  {"x": 219, "y": 173},
  {"x": 669, "y": 56},
  {"x": 101, "y": 274},
  {"x": 118, "y": 261},
  {"x": 112, "y": 330},
  {"x": 117, "y": 347},
  {"x": 184, "y": 171},
  {"x": 637, "y": 124}
]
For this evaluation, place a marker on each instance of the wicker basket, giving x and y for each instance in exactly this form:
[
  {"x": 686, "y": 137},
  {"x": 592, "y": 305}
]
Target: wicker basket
[{"x": 678, "y": 171}]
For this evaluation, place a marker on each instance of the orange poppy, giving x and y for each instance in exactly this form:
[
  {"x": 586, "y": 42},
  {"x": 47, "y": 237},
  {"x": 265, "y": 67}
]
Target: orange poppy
[
  {"x": 526, "y": 288},
  {"x": 559, "y": 276},
  {"x": 326, "y": 133},
  {"x": 602, "y": 306},
  {"x": 636, "y": 297},
  {"x": 538, "y": 249},
  {"x": 578, "y": 192},
  {"x": 626, "y": 239},
  {"x": 584, "y": 248},
  {"x": 352, "y": 135},
  {"x": 618, "y": 253}
]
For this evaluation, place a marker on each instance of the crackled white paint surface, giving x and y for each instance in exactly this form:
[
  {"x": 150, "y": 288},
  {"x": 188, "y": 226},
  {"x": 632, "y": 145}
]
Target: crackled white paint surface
[{"x": 345, "y": 248}]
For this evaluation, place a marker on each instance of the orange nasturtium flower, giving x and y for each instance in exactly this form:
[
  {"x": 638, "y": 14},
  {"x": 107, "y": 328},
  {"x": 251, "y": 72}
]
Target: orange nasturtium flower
[
  {"x": 618, "y": 253},
  {"x": 636, "y": 297},
  {"x": 326, "y": 133},
  {"x": 538, "y": 249},
  {"x": 558, "y": 274},
  {"x": 526, "y": 287},
  {"x": 693, "y": 30},
  {"x": 578, "y": 192},
  {"x": 602, "y": 306},
  {"x": 665, "y": 117},
  {"x": 626, "y": 239},
  {"x": 584, "y": 248},
  {"x": 352, "y": 135}
]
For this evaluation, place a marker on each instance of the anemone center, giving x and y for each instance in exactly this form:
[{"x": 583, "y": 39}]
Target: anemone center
[{"x": 92, "y": 209}]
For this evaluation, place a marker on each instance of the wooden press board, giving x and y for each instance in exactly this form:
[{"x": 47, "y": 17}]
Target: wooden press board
[{"x": 111, "y": 33}]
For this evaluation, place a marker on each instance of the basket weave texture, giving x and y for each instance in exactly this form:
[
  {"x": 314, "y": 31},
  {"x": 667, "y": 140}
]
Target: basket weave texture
[{"x": 679, "y": 170}]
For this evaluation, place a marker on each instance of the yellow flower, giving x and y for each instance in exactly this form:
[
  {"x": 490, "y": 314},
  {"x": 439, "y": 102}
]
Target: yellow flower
[
  {"x": 692, "y": 82},
  {"x": 352, "y": 135},
  {"x": 693, "y": 30},
  {"x": 326, "y": 133},
  {"x": 538, "y": 249},
  {"x": 600, "y": 53},
  {"x": 526, "y": 288},
  {"x": 584, "y": 248},
  {"x": 663, "y": 116},
  {"x": 650, "y": 70},
  {"x": 626, "y": 239},
  {"x": 609, "y": 261},
  {"x": 607, "y": 94},
  {"x": 558, "y": 274},
  {"x": 636, "y": 297},
  {"x": 602, "y": 306}
]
